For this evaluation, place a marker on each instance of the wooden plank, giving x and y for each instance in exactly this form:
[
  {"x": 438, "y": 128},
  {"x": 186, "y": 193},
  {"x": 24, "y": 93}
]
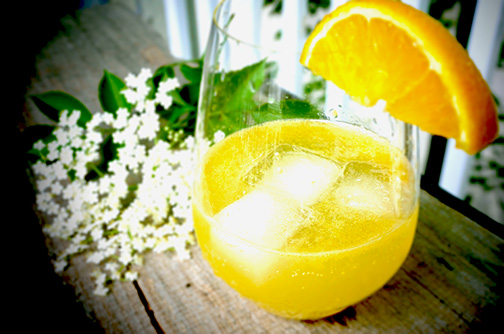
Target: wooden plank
[{"x": 449, "y": 283}]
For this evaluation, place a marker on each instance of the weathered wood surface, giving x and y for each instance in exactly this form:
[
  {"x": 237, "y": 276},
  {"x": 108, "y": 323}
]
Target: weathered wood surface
[{"x": 451, "y": 282}]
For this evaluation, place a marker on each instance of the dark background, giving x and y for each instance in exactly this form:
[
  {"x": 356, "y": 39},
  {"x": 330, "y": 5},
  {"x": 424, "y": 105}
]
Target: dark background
[{"x": 36, "y": 298}]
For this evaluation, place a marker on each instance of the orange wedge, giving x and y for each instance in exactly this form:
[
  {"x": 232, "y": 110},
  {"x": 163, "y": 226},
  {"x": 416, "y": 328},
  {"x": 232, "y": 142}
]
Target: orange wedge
[{"x": 386, "y": 50}]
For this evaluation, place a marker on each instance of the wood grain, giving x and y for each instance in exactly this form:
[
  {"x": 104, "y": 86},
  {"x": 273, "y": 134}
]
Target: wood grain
[{"x": 451, "y": 282}]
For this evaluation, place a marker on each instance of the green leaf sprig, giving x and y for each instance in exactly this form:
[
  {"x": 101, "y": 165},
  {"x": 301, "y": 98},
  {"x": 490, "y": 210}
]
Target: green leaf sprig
[
  {"x": 237, "y": 102},
  {"x": 180, "y": 116}
]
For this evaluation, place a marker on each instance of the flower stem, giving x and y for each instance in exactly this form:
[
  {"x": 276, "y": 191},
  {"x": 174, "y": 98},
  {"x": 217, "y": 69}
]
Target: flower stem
[{"x": 97, "y": 170}]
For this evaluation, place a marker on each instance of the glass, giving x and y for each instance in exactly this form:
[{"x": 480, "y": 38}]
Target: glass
[{"x": 304, "y": 201}]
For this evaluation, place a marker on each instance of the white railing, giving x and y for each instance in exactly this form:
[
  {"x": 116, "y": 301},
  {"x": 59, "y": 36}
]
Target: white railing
[{"x": 487, "y": 32}]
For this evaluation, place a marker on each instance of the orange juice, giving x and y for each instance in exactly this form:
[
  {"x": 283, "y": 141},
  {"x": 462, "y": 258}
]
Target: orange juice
[{"x": 305, "y": 217}]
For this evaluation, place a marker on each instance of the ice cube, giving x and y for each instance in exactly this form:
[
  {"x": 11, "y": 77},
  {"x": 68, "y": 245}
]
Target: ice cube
[
  {"x": 267, "y": 221},
  {"x": 254, "y": 175},
  {"x": 366, "y": 189},
  {"x": 264, "y": 218},
  {"x": 297, "y": 173}
]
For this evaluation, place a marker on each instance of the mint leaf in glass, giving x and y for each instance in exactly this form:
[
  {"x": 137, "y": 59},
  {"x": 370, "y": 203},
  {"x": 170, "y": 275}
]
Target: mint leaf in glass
[{"x": 234, "y": 92}]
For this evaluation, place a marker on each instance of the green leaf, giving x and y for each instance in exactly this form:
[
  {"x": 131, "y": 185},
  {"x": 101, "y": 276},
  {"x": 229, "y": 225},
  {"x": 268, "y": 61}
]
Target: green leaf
[
  {"x": 31, "y": 135},
  {"x": 108, "y": 152},
  {"x": 193, "y": 74},
  {"x": 190, "y": 93},
  {"x": 286, "y": 109},
  {"x": 53, "y": 102},
  {"x": 163, "y": 73},
  {"x": 109, "y": 93},
  {"x": 234, "y": 93}
]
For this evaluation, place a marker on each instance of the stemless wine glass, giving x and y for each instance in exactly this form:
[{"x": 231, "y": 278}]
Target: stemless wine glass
[{"x": 304, "y": 201}]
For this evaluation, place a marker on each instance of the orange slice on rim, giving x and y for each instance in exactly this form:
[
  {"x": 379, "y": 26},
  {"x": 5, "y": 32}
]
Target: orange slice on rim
[{"x": 386, "y": 50}]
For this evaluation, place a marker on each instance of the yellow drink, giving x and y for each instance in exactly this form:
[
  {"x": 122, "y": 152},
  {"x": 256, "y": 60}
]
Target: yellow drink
[{"x": 305, "y": 217}]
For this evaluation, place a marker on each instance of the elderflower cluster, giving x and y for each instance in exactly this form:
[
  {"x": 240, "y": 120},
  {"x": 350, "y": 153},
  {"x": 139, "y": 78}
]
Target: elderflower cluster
[{"x": 140, "y": 203}]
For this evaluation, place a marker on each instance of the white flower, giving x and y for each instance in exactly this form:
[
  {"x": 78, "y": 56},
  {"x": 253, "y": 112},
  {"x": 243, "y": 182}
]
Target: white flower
[
  {"x": 61, "y": 135},
  {"x": 162, "y": 96},
  {"x": 56, "y": 188},
  {"x": 121, "y": 118},
  {"x": 101, "y": 290},
  {"x": 168, "y": 85},
  {"x": 131, "y": 80},
  {"x": 137, "y": 81},
  {"x": 59, "y": 265},
  {"x": 130, "y": 276},
  {"x": 77, "y": 142},
  {"x": 164, "y": 99},
  {"x": 72, "y": 118},
  {"x": 95, "y": 257},
  {"x": 53, "y": 147},
  {"x": 144, "y": 75},
  {"x": 149, "y": 126},
  {"x": 112, "y": 266},
  {"x": 131, "y": 96},
  {"x": 66, "y": 155},
  {"x": 39, "y": 145},
  {"x": 43, "y": 184},
  {"x": 80, "y": 170},
  {"x": 68, "y": 118},
  {"x": 94, "y": 137},
  {"x": 53, "y": 208},
  {"x": 125, "y": 257},
  {"x": 108, "y": 118},
  {"x": 96, "y": 234},
  {"x": 40, "y": 168},
  {"x": 94, "y": 122},
  {"x": 75, "y": 132},
  {"x": 141, "y": 201}
]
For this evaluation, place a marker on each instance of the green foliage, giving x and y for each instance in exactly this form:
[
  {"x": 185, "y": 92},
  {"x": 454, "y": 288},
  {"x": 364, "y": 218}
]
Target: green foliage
[
  {"x": 33, "y": 134},
  {"x": 108, "y": 152},
  {"x": 233, "y": 94},
  {"x": 313, "y": 5},
  {"x": 286, "y": 109},
  {"x": 52, "y": 103},
  {"x": 193, "y": 74},
  {"x": 109, "y": 93},
  {"x": 236, "y": 101},
  {"x": 161, "y": 74},
  {"x": 182, "y": 113}
]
